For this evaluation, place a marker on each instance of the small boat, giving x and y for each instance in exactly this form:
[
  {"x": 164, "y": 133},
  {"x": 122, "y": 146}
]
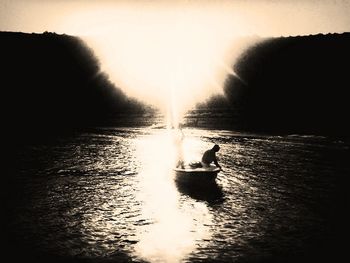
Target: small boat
[{"x": 200, "y": 174}]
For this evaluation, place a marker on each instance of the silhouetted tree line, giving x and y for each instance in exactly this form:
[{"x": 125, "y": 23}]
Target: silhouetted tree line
[
  {"x": 291, "y": 85},
  {"x": 53, "y": 82}
]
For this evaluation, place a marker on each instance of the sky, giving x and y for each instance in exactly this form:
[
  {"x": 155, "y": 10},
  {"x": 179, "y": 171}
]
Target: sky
[{"x": 172, "y": 53}]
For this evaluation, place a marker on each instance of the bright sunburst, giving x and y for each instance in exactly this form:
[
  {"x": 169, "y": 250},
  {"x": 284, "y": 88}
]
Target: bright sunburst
[
  {"x": 172, "y": 53},
  {"x": 171, "y": 58}
]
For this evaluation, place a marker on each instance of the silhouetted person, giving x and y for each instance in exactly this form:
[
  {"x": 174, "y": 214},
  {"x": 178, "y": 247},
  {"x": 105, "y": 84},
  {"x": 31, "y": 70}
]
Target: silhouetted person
[{"x": 209, "y": 156}]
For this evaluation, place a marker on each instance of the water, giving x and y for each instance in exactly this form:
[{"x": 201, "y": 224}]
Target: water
[{"x": 109, "y": 194}]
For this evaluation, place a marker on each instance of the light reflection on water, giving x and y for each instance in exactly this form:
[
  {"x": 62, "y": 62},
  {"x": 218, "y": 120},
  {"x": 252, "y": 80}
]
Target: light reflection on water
[
  {"x": 110, "y": 194},
  {"x": 175, "y": 228}
]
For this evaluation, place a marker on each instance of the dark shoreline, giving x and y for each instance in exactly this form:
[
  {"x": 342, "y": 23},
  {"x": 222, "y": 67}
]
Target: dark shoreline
[{"x": 292, "y": 85}]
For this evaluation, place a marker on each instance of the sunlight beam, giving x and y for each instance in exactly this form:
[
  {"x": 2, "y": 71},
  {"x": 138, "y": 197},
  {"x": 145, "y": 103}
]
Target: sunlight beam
[
  {"x": 149, "y": 48},
  {"x": 168, "y": 58}
]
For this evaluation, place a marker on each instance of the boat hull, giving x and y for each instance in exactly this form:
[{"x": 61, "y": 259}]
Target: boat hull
[{"x": 197, "y": 174}]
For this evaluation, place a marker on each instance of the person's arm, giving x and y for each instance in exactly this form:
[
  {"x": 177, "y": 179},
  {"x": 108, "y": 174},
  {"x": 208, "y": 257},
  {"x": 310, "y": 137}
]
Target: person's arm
[{"x": 216, "y": 162}]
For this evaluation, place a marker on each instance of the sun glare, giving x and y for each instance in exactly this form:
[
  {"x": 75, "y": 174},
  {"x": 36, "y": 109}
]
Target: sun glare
[
  {"x": 175, "y": 227},
  {"x": 172, "y": 53},
  {"x": 172, "y": 59}
]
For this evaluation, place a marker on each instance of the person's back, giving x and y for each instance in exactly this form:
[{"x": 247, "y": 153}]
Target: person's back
[{"x": 209, "y": 156}]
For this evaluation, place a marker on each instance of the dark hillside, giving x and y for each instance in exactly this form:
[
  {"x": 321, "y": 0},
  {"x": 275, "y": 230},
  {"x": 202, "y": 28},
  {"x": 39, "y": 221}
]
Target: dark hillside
[
  {"x": 53, "y": 82},
  {"x": 291, "y": 85}
]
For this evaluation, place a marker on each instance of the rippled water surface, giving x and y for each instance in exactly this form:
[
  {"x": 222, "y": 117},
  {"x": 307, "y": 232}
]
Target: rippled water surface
[{"x": 110, "y": 194}]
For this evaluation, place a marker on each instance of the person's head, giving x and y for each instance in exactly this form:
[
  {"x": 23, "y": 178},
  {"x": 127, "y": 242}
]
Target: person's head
[{"x": 216, "y": 148}]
